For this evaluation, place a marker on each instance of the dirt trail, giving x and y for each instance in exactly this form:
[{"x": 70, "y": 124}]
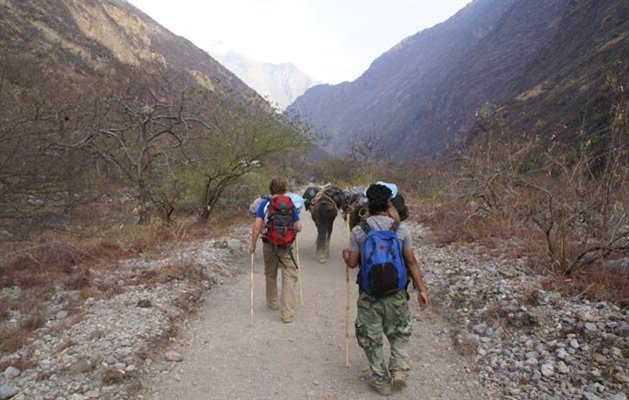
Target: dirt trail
[{"x": 227, "y": 358}]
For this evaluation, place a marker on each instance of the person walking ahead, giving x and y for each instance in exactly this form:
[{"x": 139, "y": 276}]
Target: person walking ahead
[
  {"x": 277, "y": 220},
  {"x": 384, "y": 249}
]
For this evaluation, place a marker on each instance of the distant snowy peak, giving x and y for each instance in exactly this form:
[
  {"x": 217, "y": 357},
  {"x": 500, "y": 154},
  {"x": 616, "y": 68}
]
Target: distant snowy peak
[{"x": 280, "y": 83}]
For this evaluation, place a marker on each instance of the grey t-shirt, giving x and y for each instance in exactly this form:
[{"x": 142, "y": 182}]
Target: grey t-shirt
[{"x": 379, "y": 222}]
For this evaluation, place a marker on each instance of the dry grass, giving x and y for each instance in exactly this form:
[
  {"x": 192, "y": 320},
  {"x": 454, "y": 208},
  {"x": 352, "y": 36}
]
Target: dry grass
[
  {"x": 454, "y": 222},
  {"x": 180, "y": 272},
  {"x": 530, "y": 296},
  {"x": 219, "y": 225},
  {"x": 21, "y": 363},
  {"x": 12, "y": 339},
  {"x": 594, "y": 284},
  {"x": 148, "y": 278},
  {"x": 168, "y": 273},
  {"x": 187, "y": 301},
  {"x": 37, "y": 274},
  {"x": 111, "y": 376},
  {"x": 463, "y": 343},
  {"x": 87, "y": 293},
  {"x": 34, "y": 270},
  {"x": 109, "y": 289},
  {"x": 66, "y": 344},
  {"x": 58, "y": 262}
]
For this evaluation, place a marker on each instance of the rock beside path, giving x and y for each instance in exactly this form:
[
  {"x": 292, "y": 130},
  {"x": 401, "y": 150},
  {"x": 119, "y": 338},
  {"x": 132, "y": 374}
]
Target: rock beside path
[
  {"x": 228, "y": 357},
  {"x": 523, "y": 338},
  {"x": 7, "y": 392},
  {"x": 173, "y": 356},
  {"x": 99, "y": 350},
  {"x": 11, "y": 373}
]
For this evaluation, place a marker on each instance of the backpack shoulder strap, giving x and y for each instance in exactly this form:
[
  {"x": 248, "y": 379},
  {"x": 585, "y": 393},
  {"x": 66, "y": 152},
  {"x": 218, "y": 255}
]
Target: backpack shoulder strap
[
  {"x": 395, "y": 226},
  {"x": 269, "y": 200},
  {"x": 290, "y": 200},
  {"x": 267, "y": 209},
  {"x": 365, "y": 227}
]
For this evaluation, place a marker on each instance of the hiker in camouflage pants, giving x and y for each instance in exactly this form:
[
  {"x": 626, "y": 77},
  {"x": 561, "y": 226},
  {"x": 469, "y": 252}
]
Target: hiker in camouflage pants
[{"x": 390, "y": 316}]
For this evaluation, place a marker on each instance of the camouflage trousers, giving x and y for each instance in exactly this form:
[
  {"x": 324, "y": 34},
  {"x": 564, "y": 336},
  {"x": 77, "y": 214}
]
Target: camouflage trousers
[
  {"x": 275, "y": 261},
  {"x": 376, "y": 318}
]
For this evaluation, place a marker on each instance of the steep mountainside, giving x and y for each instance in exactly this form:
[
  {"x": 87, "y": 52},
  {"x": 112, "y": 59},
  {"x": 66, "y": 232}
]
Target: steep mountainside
[
  {"x": 564, "y": 88},
  {"x": 90, "y": 38},
  {"x": 281, "y": 83},
  {"x": 541, "y": 56},
  {"x": 491, "y": 72},
  {"x": 398, "y": 86}
]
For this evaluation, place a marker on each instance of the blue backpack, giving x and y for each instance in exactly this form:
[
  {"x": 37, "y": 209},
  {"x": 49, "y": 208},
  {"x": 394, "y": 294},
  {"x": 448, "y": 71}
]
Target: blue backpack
[{"x": 382, "y": 267}]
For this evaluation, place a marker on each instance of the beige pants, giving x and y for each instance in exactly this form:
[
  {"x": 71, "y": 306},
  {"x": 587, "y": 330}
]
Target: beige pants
[{"x": 289, "y": 277}]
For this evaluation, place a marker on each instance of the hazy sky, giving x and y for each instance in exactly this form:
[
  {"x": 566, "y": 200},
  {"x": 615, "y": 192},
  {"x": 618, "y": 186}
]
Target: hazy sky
[{"x": 330, "y": 40}]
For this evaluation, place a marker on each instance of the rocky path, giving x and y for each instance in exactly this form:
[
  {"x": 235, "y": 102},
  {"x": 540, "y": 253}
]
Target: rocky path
[
  {"x": 505, "y": 335},
  {"x": 225, "y": 357}
]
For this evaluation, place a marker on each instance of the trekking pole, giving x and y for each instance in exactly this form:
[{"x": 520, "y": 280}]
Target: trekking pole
[
  {"x": 301, "y": 292},
  {"x": 347, "y": 303},
  {"x": 252, "y": 255}
]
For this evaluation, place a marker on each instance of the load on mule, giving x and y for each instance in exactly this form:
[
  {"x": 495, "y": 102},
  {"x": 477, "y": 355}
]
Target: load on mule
[
  {"x": 323, "y": 203},
  {"x": 356, "y": 205}
]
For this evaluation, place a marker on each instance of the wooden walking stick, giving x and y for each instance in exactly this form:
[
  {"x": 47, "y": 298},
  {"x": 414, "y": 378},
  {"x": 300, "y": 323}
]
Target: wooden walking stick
[
  {"x": 347, "y": 303},
  {"x": 301, "y": 292},
  {"x": 252, "y": 255}
]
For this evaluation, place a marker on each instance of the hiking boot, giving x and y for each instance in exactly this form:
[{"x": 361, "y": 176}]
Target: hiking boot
[
  {"x": 381, "y": 387},
  {"x": 398, "y": 382}
]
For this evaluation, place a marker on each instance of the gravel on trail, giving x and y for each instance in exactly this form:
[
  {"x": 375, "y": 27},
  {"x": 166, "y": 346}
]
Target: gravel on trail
[
  {"x": 223, "y": 356},
  {"x": 492, "y": 331},
  {"x": 100, "y": 348}
]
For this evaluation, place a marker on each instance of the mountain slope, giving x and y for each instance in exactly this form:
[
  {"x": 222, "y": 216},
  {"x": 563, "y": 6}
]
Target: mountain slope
[
  {"x": 281, "y": 83},
  {"x": 564, "y": 89},
  {"x": 96, "y": 97},
  {"x": 398, "y": 85},
  {"x": 92, "y": 38},
  {"x": 521, "y": 56}
]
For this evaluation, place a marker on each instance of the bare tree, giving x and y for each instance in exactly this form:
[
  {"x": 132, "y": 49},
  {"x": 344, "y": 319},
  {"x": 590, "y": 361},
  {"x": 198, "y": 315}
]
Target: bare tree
[
  {"x": 365, "y": 146},
  {"x": 241, "y": 139},
  {"x": 38, "y": 177},
  {"x": 574, "y": 193},
  {"x": 142, "y": 131}
]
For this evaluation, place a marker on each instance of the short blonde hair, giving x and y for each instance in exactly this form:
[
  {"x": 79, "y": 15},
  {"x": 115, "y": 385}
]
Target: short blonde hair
[{"x": 279, "y": 185}]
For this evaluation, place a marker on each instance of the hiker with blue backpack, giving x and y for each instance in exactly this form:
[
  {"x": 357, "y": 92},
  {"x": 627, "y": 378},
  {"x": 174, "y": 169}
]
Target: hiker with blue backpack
[
  {"x": 277, "y": 221},
  {"x": 383, "y": 248}
]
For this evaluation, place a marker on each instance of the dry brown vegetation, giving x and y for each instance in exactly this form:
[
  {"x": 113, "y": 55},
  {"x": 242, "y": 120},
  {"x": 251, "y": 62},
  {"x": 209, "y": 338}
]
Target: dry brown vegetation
[
  {"x": 32, "y": 273},
  {"x": 13, "y": 338},
  {"x": 603, "y": 284},
  {"x": 156, "y": 142},
  {"x": 563, "y": 207},
  {"x": 560, "y": 206},
  {"x": 112, "y": 376}
]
